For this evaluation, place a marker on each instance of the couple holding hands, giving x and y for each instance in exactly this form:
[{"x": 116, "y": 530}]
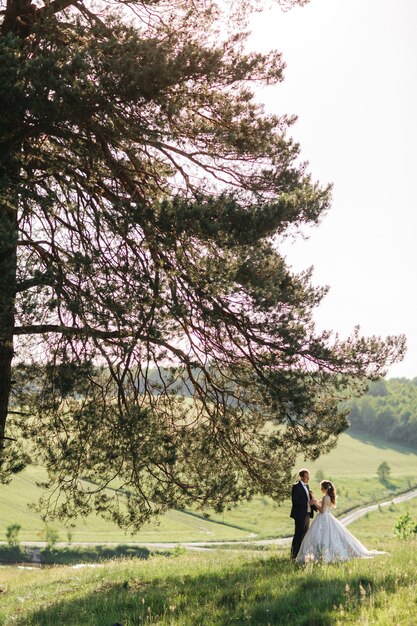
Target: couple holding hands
[{"x": 326, "y": 539}]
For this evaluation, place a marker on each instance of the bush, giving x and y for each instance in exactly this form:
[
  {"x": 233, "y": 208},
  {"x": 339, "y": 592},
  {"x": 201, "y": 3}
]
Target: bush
[
  {"x": 405, "y": 527},
  {"x": 12, "y": 533},
  {"x": 51, "y": 536}
]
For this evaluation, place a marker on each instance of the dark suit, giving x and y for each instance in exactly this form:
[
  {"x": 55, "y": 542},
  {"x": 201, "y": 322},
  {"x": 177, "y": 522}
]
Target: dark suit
[{"x": 300, "y": 515}]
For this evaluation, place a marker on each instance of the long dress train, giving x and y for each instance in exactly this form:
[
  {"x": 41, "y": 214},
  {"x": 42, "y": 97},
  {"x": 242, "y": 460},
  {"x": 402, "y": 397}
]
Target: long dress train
[{"x": 328, "y": 540}]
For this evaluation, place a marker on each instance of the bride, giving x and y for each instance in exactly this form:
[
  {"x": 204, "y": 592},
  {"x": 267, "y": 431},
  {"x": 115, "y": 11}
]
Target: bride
[{"x": 327, "y": 539}]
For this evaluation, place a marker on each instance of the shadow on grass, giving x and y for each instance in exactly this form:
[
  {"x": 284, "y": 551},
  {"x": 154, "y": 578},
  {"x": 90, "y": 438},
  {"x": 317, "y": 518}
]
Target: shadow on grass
[
  {"x": 95, "y": 554},
  {"x": 259, "y": 593},
  {"x": 388, "y": 484},
  {"x": 379, "y": 442},
  {"x": 70, "y": 555},
  {"x": 16, "y": 554}
]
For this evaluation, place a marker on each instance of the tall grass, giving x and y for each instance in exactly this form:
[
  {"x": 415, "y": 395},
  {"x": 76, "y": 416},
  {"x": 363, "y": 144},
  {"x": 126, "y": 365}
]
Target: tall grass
[
  {"x": 222, "y": 588},
  {"x": 216, "y": 589}
]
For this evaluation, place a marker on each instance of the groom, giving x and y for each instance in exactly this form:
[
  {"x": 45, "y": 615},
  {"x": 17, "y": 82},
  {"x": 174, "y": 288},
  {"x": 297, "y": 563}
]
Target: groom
[{"x": 302, "y": 509}]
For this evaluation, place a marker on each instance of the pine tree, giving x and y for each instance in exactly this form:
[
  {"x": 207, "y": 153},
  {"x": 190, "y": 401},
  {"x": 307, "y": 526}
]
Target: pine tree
[{"x": 161, "y": 345}]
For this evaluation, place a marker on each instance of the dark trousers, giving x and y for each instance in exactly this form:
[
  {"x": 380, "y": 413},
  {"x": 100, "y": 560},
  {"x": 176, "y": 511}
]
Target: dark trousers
[{"x": 301, "y": 527}]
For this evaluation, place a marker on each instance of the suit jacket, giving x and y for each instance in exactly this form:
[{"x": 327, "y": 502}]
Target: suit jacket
[{"x": 300, "y": 501}]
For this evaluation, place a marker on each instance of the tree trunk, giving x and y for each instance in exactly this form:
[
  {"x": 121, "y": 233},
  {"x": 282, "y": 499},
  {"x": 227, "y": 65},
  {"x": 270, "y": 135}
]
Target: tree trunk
[
  {"x": 19, "y": 17},
  {"x": 8, "y": 266}
]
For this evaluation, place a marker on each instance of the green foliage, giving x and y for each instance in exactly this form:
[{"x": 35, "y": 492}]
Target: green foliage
[
  {"x": 149, "y": 193},
  {"x": 50, "y": 536},
  {"x": 12, "y": 535},
  {"x": 405, "y": 528},
  {"x": 383, "y": 471},
  {"x": 389, "y": 409}
]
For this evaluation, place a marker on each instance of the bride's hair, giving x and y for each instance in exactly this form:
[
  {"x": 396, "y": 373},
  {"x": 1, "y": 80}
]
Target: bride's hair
[{"x": 331, "y": 491}]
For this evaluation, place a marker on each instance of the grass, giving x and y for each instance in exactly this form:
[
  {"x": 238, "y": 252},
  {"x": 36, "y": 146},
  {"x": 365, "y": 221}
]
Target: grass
[
  {"x": 359, "y": 454},
  {"x": 175, "y": 525},
  {"x": 224, "y": 587},
  {"x": 352, "y": 466},
  {"x": 382, "y": 521},
  {"x": 216, "y": 589}
]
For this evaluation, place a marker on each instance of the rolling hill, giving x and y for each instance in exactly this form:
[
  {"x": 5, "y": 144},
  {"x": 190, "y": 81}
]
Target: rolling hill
[{"x": 352, "y": 467}]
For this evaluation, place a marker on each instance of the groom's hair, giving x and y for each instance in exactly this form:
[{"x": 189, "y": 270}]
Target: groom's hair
[{"x": 302, "y": 472}]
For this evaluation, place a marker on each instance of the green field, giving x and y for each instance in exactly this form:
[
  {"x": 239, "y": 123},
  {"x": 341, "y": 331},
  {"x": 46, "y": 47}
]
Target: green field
[
  {"x": 352, "y": 466},
  {"x": 225, "y": 587},
  {"x": 218, "y": 588}
]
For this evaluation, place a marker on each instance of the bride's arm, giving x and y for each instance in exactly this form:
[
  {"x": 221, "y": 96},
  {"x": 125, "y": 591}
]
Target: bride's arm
[{"x": 319, "y": 504}]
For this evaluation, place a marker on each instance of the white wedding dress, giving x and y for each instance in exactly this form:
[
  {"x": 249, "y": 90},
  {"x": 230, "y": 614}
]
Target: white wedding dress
[{"x": 328, "y": 540}]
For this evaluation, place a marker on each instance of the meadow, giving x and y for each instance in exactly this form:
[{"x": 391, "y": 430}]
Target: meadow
[
  {"x": 245, "y": 586},
  {"x": 352, "y": 466},
  {"x": 216, "y": 588}
]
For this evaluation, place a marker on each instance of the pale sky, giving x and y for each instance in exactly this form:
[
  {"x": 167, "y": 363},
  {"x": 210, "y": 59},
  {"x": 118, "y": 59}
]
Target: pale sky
[{"x": 351, "y": 78}]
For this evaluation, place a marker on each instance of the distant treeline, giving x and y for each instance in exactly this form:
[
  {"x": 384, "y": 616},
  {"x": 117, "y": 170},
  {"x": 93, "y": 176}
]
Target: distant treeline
[{"x": 389, "y": 410}]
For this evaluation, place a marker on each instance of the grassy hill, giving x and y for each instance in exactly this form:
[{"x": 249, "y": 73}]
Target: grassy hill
[{"x": 352, "y": 466}]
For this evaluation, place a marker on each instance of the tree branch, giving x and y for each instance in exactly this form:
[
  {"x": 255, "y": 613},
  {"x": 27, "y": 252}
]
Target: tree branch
[
  {"x": 40, "y": 329},
  {"x": 55, "y": 7},
  {"x": 36, "y": 281}
]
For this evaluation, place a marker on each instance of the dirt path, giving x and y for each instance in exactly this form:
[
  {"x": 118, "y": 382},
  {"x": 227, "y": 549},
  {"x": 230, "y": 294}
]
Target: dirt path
[{"x": 355, "y": 515}]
